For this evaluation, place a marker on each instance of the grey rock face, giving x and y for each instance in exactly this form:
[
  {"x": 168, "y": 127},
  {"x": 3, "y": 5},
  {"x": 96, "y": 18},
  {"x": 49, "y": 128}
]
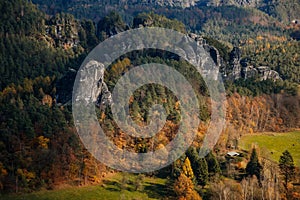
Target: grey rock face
[
  {"x": 262, "y": 72},
  {"x": 238, "y": 68},
  {"x": 64, "y": 31},
  {"x": 235, "y": 66},
  {"x": 176, "y": 3},
  {"x": 214, "y": 53},
  {"x": 242, "y": 3},
  {"x": 104, "y": 96},
  {"x": 190, "y": 3},
  {"x": 93, "y": 75},
  {"x": 266, "y": 73},
  {"x": 249, "y": 72}
]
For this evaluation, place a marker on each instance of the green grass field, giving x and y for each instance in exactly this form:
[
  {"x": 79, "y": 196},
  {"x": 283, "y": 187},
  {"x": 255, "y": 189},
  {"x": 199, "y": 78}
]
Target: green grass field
[
  {"x": 154, "y": 188},
  {"x": 273, "y": 144}
]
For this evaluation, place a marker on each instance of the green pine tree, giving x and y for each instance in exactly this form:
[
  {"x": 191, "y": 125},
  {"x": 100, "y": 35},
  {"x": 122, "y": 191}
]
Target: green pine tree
[
  {"x": 201, "y": 171},
  {"x": 213, "y": 164},
  {"x": 254, "y": 167},
  {"x": 199, "y": 166},
  {"x": 287, "y": 168}
]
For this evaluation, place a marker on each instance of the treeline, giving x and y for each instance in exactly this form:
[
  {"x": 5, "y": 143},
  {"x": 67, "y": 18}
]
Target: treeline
[
  {"x": 247, "y": 115},
  {"x": 227, "y": 23}
]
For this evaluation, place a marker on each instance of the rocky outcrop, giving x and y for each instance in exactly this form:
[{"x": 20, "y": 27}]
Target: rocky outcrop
[
  {"x": 63, "y": 29},
  {"x": 240, "y": 68},
  {"x": 93, "y": 72},
  {"x": 176, "y": 3},
  {"x": 235, "y": 66},
  {"x": 189, "y": 3},
  {"x": 214, "y": 53},
  {"x": 94, "y": 88},
  {"x": 241, "y": 3},
  {"x": 168, "y": 3},
  {"x": 262, "y": 72}
]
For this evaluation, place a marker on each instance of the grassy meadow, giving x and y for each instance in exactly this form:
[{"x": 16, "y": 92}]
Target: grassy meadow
[
  {"x": 111, "y": 189},
  {"x": 273, "y": 144}
]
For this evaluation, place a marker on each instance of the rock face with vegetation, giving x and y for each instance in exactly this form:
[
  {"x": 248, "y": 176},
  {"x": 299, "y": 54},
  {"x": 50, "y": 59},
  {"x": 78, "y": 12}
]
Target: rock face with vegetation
[
  {"x": 174, "y": 3},
  {"x": 250, "y": 3},
  {"x": 240, "y": 68},
  {"x": 63, "y": 29},
  {"x": 262, "y": 72}
]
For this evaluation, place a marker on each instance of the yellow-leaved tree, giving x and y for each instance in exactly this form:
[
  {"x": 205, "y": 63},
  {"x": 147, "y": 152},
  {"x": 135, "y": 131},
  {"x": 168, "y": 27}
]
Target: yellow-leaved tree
[{"x": 184, "y": 189}]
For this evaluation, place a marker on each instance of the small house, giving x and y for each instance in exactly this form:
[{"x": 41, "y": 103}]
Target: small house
[{"x": 232, "y": 153}]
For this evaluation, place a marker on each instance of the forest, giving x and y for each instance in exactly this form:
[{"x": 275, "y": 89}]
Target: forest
[{"x": 41, "y": 51}]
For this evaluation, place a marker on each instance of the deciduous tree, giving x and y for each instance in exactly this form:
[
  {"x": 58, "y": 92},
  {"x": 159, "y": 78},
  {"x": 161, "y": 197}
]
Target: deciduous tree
[{"x": 184, "y": 188}]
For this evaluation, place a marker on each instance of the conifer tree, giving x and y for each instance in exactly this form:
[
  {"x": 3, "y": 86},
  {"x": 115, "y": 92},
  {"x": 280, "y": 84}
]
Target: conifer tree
[
  {"x": 254, "y": 167},
  {"x": 201, "y": 171},
  {"x": 287, "y": 168},
  {"x": 213, "y": 164},
  {"x": 199, "y": 166}
]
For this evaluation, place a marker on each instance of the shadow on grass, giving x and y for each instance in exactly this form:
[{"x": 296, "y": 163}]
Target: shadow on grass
[
  {"x": 157, "y": 191},
  {"x": 113, "y": 186}
]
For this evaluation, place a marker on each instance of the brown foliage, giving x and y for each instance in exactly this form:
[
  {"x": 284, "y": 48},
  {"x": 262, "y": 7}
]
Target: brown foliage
[{"x": 184, "y": 188}]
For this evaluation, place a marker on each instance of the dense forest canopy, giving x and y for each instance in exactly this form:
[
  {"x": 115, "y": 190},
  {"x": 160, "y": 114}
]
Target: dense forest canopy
[{"x": 40, "y": 54}]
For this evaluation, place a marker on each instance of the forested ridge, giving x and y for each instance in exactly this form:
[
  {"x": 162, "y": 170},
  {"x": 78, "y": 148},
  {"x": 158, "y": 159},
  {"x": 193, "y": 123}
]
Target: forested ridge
[
  {"x": 39, "y": 57},
  {"x": 39, "y": 146}
]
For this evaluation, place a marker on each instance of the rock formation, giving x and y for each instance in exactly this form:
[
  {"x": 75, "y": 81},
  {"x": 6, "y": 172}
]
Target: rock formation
[
  {"x": 176, "y": 3},
  {"x": 63, "y": 29},
  {"x": 262, "y": 72},
  {"x": 235, "y": 66},
  {"x": 242, "y": 3},
  {"x": 92, "y": 79}
]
